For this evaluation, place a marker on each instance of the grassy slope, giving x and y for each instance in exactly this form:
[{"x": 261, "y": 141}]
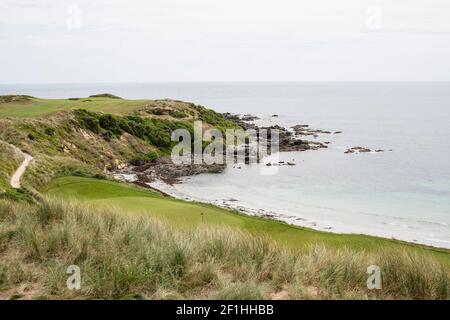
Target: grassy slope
[
  {"x": 42, "y": 107},
  {"x": 9, "y": 161},
  {"x": 63, "y": 144},
  {"x": 134, "y": 257},
  {"x": 183, "y": 214}
]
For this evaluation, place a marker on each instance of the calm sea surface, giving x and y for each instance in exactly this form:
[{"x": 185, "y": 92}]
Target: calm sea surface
[{"x": 403, "y": 194}]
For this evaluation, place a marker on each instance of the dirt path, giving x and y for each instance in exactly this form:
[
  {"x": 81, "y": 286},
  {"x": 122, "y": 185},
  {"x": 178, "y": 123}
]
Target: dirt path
[{"x": 15, "y": 179}]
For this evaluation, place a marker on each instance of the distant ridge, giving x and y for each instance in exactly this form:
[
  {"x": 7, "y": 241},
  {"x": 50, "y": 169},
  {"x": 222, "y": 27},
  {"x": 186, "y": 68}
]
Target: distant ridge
[{"x": 105, "y": 95}]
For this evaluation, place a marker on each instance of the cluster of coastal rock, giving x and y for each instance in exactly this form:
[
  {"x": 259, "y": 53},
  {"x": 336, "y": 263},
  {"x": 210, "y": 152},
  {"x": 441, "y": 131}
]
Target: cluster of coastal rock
[
  {"x": 289, "y": 140},
  {"x": 281, "y": 163},
  {"x": 305, "y": 130},
  {"x": 165, "y": 170},
  {"x": 362, "y": 150}
]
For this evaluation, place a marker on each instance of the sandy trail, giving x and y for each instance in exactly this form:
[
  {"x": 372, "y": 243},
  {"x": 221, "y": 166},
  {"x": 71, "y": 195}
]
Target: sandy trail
[{"x": 15, "y": 179}]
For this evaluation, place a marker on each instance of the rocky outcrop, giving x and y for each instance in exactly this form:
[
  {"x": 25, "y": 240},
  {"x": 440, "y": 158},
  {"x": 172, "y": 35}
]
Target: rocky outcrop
[
  {"x": 164, "y": 169},
  {"x": 289, "y": 142},
  {"x": 362, "y": 150},
  {"x": 304, "y": 130}
]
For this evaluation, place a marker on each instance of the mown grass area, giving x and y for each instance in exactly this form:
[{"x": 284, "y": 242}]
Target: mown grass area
[
  {"x": 139, "y": 257},
  {"x": 134, "y": 200},
  {"x": 34, "y": 107}
]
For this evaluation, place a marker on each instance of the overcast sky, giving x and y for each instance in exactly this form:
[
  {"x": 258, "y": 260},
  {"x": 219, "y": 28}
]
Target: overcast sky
[{"x": 224, "y": 40}]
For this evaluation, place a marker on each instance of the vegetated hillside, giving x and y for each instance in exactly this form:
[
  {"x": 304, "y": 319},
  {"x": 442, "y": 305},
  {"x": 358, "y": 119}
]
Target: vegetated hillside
[
  {"x": 9, "y": 161},
  {"x": 134, "y": 257},
  {"x": 89, "y": 143}
]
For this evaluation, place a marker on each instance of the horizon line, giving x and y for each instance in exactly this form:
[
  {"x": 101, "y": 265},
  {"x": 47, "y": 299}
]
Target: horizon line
[{"x": 225, "y": 81}]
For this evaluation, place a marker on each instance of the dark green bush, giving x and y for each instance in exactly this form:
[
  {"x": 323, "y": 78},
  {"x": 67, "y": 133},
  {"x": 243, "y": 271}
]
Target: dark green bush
[
  {"x": 110, "y": 123},
  {"x": 88, "y": 120},
  {"x": 156, "y": 111},
  {"x": 144, "y": 158},
  {"x": 155, "y": 131},
  {"x": 177, "y": 113},
  {"x": 49, "y": 131},
  {"x": 20, "y": 194}
]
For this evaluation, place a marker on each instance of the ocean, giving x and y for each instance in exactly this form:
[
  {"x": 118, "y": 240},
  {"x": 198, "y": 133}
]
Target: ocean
[{"x": 402, "y": 194}]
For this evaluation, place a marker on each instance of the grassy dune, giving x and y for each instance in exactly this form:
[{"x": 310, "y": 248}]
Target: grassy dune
[
  {"x": 134, "y": 257},
  {"x": 181, "y": 214}
]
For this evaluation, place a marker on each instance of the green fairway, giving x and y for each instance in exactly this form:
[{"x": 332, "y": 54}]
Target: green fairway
[
  {"x": 134, "y": 200},
  {"x": 41, "y": 107}
]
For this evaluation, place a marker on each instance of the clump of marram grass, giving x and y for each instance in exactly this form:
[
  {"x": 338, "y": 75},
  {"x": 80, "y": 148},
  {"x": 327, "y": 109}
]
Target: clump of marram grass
[
  {"x": 413, "y": 275},
  {"x": 137, "y": 257},
  {"x": 240, "y": 291}
]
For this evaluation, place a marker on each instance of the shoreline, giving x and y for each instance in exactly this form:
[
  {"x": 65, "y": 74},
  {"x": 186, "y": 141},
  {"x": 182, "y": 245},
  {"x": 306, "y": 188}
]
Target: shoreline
[
  {"x": 295, "y": 221},
  {"x": 161, "y": 184}
]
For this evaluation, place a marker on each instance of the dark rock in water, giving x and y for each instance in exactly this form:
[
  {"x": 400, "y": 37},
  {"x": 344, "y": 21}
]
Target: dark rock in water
[
  {"x": 274, "y": 116},
  {"x": 300, "y": 127},
  {"x": 357, "y": 150},
  {"x": 362, "y": 150},
  {"x": 249, "y": 117},
  {"x": 231, "y": 116},
  {"x": 304, "y": 130},
  {"x": 287, "y": 141},
  {"x": 337, "y": 132},
  {"x": 238, "y": 119},
  {"x": 244, "y": 123}
]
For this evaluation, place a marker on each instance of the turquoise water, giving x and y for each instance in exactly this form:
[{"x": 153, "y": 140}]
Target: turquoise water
[{"x": 403, "y": 194}]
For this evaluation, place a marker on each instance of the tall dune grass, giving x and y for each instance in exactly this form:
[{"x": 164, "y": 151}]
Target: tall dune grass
[{"x": 137, "y": 257}]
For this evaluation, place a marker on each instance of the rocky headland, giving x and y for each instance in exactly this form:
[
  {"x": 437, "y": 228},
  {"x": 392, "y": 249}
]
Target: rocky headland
[{"x": 163, "y": 168}]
